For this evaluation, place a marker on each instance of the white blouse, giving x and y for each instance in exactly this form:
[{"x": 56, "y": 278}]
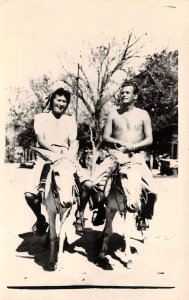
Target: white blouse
[{"x": 55, "y": 131}]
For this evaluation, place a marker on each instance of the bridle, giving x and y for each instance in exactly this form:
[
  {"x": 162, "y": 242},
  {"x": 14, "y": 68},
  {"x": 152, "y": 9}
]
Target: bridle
[
  {"x": 120, "y": 190},
  {"x": 55, "y": 193}
]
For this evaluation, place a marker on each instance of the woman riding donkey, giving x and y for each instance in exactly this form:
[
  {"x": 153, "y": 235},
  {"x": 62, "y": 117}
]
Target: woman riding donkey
[{"x": 57, "y": 132}]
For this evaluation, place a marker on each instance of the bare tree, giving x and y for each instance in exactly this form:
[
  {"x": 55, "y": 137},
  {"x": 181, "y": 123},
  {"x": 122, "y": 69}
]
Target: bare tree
[{"x": 100, "y": 77}]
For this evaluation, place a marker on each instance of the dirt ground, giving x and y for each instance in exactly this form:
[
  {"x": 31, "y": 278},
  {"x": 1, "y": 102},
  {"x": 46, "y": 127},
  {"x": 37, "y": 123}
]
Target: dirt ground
[{"x": 157, "y": 264}]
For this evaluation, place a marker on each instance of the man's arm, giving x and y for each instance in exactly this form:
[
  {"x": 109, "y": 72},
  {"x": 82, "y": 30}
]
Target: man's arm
[{"x": 147, "y": 128}]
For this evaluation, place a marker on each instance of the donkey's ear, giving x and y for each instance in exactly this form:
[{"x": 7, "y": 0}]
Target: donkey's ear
[{"x": 46, "y": 154}]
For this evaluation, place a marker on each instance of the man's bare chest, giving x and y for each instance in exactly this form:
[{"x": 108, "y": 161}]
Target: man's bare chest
[{"x": 127, "y": 122}]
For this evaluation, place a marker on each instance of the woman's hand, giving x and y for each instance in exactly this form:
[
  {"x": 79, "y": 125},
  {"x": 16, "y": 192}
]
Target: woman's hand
[{"x": 59, "y": 149}]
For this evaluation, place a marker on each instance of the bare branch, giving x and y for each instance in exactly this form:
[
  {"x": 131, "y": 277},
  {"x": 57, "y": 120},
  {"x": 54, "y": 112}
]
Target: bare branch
[
  {"x": 125, "y": 55},
  {"x": 87, "y": 84},
  {"x": 80, "y": 95}
]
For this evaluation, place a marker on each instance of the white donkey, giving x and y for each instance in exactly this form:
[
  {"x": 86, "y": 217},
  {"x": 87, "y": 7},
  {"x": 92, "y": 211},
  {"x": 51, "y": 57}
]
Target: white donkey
[{"x": 58, "y": 200}]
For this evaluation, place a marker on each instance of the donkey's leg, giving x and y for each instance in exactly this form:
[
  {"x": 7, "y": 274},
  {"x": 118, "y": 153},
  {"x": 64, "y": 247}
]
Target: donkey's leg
[
  {"x": 107, "y": 232},
  {"x": 52, "y": 237},
  {"x": 65, "y": 224},
  {"x": 128, "y": 231},
  {"x": 79, "y": 214}
]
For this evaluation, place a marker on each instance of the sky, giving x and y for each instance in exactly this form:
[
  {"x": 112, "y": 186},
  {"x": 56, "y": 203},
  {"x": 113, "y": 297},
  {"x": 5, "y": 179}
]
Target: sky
[{"x": 33, "y": 34}]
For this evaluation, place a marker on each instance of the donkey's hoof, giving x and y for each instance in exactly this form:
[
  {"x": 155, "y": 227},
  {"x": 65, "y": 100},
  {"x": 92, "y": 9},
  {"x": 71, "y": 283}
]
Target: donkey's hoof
[
  {"x": 129, "y": 264},
  {"x": 103, "y": 263},
  {"x": 50, "y": 267}
]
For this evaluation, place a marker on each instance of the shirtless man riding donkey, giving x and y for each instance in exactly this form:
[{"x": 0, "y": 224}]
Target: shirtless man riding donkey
[{"x": 128, "y": 132}]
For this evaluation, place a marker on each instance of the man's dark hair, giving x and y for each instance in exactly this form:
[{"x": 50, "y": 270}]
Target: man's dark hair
[
  {"x": 131, "y": 83},
  {"x": 58, "y": 92}
]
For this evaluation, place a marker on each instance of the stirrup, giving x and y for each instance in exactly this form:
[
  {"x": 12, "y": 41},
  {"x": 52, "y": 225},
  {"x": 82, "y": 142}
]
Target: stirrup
[
  {"x": 41, "y": 186},
  {"x": 41, "y": 196},
  {"x": 41, "y": 191},
  {"x": 132, "y": 207}
]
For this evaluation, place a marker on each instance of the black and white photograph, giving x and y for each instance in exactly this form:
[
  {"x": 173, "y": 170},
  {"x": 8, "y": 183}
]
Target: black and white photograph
[{"x": 94, "y": 149}]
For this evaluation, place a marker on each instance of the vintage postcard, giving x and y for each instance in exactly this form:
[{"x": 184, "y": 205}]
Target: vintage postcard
[{"x": 94, "y": 149}]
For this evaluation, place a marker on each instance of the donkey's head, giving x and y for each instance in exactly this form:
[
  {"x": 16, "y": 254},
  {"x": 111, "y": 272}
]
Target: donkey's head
[{"x": 63, "y": 170}]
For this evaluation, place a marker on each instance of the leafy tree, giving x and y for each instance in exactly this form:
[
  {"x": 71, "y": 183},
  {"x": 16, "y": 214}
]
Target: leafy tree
[
  {"x": 21, "y": 107},
  {"x": 27, "y": 137},
  {"x": 158, "y": 81},
  {"x": 41, "y": 88}
]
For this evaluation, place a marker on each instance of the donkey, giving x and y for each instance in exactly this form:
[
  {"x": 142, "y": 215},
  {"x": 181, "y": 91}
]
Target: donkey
[
  {"x": 116, "y": 201},
  {"x": 59, "y": 200}
]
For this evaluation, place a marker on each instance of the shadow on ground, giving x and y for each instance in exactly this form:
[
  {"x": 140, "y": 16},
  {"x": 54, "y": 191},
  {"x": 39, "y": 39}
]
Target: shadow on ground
[{"x": 88, "y": 244}]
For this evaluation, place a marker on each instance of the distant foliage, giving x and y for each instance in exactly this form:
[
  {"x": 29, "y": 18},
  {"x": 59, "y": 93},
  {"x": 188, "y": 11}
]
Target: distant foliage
[
  {"x": 21, "y": 108},
  {"x": 158, "y": 81},
  {"x": 27, "y": 137}
]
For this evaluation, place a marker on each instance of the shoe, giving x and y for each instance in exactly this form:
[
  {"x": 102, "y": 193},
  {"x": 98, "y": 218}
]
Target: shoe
[
  {"x": 99, "y": 216},
  {"x": 40, "y": 227},
  {"x": 141, "y": 224},
  {"x": 79, "y": 225}
]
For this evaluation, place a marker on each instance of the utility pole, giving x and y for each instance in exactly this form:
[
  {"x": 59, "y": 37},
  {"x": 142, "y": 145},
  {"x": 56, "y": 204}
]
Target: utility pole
[{"x": 76, "y": 113}]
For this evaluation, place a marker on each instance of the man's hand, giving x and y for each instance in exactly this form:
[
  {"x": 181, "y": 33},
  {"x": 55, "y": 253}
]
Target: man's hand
[
  {"x": 124, "y": 147},
  {"x": 129, "y": 147}
]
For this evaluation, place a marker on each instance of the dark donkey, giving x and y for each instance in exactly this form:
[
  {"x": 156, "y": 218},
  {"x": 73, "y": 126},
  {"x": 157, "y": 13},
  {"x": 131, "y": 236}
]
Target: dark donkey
[{"x": 116, "y": 201}]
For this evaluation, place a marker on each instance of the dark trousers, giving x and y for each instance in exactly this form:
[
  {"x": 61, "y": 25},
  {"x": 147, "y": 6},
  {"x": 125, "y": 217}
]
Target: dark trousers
[{"x": 45, "y": 171}]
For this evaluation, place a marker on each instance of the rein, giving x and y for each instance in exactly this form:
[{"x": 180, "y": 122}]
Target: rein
[
  {"x": 121, "y": 192},
  {"x": 55, "y": 193}
]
